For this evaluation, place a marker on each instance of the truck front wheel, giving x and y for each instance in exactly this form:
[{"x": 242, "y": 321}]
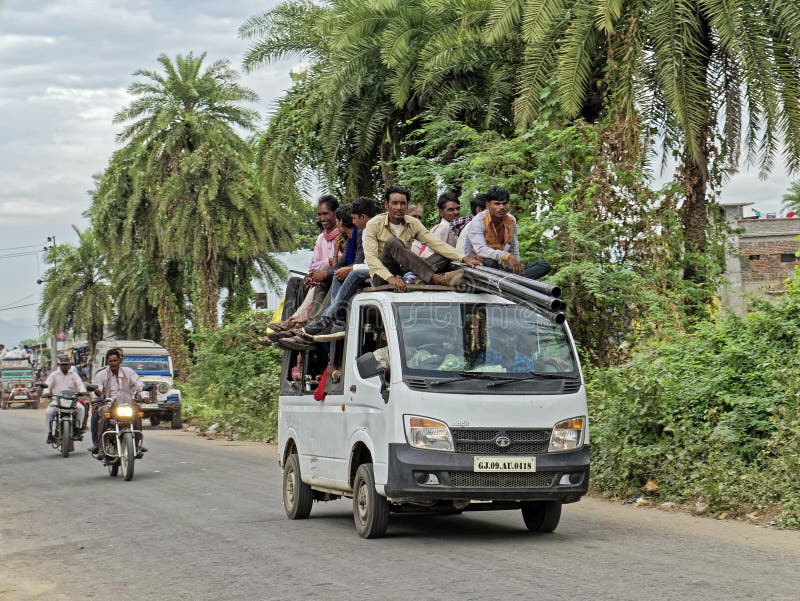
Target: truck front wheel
[
  {"x": 541, "y": 516},
  {"x": 177, "y": 422},
  {"x": 370, "y": 510}
]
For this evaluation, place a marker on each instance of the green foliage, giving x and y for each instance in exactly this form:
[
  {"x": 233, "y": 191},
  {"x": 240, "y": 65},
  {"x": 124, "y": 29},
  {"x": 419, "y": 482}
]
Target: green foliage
[
  {"x": 711, "y": 414},
  {"x": 77, "y": 296},
  {"x": 791, "y": 199},
  {"x": 235, "y": 380},
  {"x": 614, "y": 244}
]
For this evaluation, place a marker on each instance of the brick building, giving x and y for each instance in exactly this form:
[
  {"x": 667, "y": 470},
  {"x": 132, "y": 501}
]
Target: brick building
[{"x": 763, "y": 256}]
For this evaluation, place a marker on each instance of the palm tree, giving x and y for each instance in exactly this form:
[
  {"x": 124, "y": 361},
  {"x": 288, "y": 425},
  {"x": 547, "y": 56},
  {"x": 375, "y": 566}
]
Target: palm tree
[
  {"x": 144, "y": 280},
  {"x": 363, "y": 92},
  {"x": 791, "y": 200},
  {"x": 687, "y": 67},
  {"x": 197, "y": 169},
  {"x": 77, "y": 295}
]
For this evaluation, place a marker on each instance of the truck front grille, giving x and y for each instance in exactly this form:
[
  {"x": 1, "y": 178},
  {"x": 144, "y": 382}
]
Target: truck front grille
[
  {"x": 501, "y": 479},
  {"x": 482, "y": 442}
]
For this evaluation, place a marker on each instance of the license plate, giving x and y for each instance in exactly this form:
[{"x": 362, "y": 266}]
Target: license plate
[
  {"x": 24, "y": 397},
  {"x": 149, "y": 405},
  {"x": 504, "y": 464}
]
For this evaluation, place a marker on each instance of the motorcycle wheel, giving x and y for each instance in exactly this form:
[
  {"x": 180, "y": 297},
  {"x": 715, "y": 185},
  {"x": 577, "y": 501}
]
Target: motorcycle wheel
[
  {"x": 128, "y": 456},
  {"x": 66, "y": 436}
]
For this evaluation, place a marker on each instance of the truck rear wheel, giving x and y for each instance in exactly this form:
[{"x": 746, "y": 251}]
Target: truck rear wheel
[
  {"x": 541, "y": 516},
  {"x": 297, "y": 496},
  {"x": 370, "y": 510}
]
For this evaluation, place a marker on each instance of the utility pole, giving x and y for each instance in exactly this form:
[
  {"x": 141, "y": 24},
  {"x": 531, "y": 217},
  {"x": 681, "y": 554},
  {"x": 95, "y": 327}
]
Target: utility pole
[{"x": 53, "y": 339}]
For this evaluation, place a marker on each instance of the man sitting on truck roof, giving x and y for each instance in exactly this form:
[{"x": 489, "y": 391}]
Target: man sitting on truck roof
[
  {"x": 349, "y": 267},
  {"x": 493, "y": 238},
  {"x": 387, "y": 238},
  {"x": 348, "y": 279}
]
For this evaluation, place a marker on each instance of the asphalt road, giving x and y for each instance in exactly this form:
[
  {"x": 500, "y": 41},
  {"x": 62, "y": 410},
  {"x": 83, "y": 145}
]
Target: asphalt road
[{"x": 203, "y": 520}]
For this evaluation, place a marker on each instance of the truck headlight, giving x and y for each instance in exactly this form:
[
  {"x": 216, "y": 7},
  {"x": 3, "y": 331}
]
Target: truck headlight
[
  {"x": 567, "y": 435},
  {"x": 427, "y": 433},
  {"x": 163, "y": 387}
]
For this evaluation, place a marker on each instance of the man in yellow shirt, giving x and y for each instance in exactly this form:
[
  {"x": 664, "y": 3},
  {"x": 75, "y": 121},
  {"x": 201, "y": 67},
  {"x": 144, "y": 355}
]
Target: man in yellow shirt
[{"x": 387, "y": 238}]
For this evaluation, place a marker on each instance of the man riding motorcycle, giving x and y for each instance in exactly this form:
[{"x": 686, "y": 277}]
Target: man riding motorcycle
[
  {"x": 59, "y": 380},
  {"x": 119, "y": 383}
]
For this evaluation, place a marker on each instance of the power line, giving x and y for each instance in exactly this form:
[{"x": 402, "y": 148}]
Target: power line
[
  {"x": 18, "y": 300},
  {"x": 21, "y": 254},
  {"x": 18, "y": 247},
  {"x": 18, "y": 306}
]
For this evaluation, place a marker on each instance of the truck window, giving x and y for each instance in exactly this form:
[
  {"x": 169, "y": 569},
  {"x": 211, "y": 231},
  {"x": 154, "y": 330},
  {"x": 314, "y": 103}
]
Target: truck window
[
  {"x": 492, "y": 338},
  {"x": 370, "y": 329}
]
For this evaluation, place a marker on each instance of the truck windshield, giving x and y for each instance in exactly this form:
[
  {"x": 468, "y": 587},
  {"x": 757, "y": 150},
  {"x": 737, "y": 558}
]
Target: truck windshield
[
  {"x": 148, "y": 365},
  {"x": 481, "y": 338}
]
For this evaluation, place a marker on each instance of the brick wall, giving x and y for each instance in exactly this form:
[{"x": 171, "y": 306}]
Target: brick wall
[{"x": 766, "y": 240}]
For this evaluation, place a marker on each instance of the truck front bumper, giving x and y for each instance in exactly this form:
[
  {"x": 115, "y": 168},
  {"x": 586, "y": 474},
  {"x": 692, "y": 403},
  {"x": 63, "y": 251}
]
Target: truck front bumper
[{"x": 410, "y": 468}]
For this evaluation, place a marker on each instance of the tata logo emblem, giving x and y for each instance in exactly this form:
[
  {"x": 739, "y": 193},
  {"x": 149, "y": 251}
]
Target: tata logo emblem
[{"x": 502, "y": 441}]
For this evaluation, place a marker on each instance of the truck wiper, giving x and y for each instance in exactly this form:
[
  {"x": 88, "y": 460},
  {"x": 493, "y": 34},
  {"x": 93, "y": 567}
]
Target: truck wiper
[
  {"x": 532, "y": 376},
  {"x": 468, "y": 375}
]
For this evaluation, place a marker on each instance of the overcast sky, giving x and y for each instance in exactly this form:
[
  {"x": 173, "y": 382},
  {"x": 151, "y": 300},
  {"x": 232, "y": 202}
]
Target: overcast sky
[{"x": 64, "y": 69}]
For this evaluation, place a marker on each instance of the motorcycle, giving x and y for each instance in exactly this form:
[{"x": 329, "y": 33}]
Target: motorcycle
[
  {"x": 64, "y": 426},
  {"x": 119, "y": 441}
]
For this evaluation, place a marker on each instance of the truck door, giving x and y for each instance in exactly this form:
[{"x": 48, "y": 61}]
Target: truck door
[{"x": 366, "y": 408}]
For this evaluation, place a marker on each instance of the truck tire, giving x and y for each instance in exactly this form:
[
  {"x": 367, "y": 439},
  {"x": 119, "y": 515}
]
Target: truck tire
[
  {"x": 541, "y": 516},
  {"x": 370, "y": 510},
  {"x": 154, "y": 421},
  {"x": 177, "y": 422},
  {"x": 297, "y": 497}
]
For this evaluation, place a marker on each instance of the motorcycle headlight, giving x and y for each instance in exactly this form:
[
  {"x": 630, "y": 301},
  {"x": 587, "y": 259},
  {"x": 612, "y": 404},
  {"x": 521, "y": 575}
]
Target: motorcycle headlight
[
  {"x": 124, "y": 411},
  {"x": 567, "y": 435},
  {"x": 427, "y": 433},
  {"x": 163, "y": 387}
]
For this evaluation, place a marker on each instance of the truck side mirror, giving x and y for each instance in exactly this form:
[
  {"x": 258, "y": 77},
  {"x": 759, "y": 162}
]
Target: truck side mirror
[{"x": 368, "y": 367}]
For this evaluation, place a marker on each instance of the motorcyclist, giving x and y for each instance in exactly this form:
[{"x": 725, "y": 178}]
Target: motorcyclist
[
  {"x": 59, "y": 380},
  {"x": 118, "y": 383}
]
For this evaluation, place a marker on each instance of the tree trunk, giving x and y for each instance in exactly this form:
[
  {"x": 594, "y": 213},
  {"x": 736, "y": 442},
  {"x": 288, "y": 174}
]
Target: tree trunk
[
  {"x": 170, "y": 319},
  {"x": 694, "y": 217},
  {"x": 387, "y": 170},
  {"x": 209, "y": 295}
]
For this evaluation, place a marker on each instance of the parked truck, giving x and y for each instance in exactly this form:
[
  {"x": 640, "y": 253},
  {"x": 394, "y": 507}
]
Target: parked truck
[{"x": 17, "y": 383}]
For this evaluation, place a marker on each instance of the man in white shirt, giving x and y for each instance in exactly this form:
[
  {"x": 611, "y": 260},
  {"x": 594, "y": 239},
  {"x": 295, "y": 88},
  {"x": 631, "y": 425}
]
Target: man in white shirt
[
  {"x": 114, "y": 382},
  {"x": 449, "y": 208},
  {"x": 58, "y": 381}
]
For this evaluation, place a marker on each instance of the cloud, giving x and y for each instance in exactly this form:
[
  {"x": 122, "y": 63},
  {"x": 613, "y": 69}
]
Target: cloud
[{"x": 25, "y": 42}]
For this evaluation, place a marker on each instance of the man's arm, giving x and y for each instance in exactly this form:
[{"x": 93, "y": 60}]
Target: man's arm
[
  {"x": 98, "y": 382},
  {"x": 513, "y": 248},
  {"x": 432, "y": 242},
  {"x": 370, "y": 244},
  {"x": 78, "y": 383}
]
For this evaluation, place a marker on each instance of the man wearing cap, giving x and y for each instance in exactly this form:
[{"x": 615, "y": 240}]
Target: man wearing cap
[{"x": 63, "y": 378}]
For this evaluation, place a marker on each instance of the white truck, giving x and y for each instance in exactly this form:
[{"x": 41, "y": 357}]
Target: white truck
[
  {"x": 154, "y": 364},
  {"x": 482, "y": 407}
]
